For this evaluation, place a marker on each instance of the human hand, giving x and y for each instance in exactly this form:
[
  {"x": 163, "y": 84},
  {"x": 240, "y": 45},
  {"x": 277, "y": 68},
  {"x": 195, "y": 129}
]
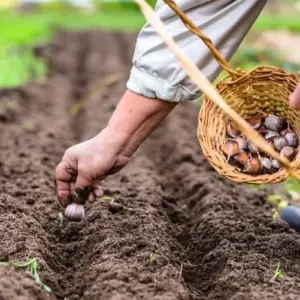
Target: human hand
[
  {"x": 86, "y": 165},
  {"x": 295, "y": 97}
]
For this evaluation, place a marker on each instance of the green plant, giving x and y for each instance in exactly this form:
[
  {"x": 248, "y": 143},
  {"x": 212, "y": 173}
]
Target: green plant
[
  {"x": 106, "y": 198},
  {"x": 257, "y": 186},
  {"x": 61, "y": 219},
  {"x": 152, "y": 258},
  {"x": 29, "y": 126},
  {"x": 33, "y": 266},
  {"x": 278, "y": 273}
]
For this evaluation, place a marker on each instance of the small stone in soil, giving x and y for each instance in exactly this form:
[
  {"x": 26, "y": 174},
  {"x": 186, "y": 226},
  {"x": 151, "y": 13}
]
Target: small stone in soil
[{"x": 30, "y": 201}]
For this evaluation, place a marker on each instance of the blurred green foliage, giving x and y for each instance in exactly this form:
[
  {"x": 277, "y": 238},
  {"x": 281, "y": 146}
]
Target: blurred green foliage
[
  {"x": 291, "y": 23},
  {"x": 18, "y": 66},
  {"x": 20, "y": 29},
  {"x": 17, "y": 31}
]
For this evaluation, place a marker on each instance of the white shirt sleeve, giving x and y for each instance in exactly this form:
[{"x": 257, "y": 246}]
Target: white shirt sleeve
[{"x": 156, "y": 72}]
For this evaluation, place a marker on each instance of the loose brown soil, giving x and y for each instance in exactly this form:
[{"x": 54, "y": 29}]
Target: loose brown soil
[{"x": 181, "y": 232}]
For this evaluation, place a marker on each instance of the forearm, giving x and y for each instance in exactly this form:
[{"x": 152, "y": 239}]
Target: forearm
[{"x": 135, "y": 118}]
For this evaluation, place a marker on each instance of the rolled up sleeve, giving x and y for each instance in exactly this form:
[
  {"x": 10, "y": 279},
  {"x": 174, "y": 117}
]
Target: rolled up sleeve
[{"x": 156, "y": 72}]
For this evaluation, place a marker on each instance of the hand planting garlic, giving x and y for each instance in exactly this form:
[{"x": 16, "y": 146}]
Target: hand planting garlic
[
  {"x": 75, "y": 211},
  {"x": 246, "y": 156}
]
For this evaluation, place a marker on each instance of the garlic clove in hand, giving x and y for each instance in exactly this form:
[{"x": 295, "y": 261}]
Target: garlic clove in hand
[
  {"x": 79, "y": 196},
  {"x": 275, "y": 123},
  {"x": 75, "y": 212}
]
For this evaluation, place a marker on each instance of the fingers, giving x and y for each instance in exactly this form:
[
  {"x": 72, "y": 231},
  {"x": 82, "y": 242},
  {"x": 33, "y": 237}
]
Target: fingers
[
  {"x": 91, "y": 198},
  {"x": 84, "y": 179},
  {"x": 295, "y": 98},
  {"x": 63, "y": 176},
  {"x": 96, "y": 191},
  {"x": 68, "y": 180}
]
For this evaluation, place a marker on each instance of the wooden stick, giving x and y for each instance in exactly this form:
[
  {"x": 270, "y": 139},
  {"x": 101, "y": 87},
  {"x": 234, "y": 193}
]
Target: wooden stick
[{"x": 203, "y": 84}]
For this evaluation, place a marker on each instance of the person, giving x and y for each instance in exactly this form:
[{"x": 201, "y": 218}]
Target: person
[{"x": 157, "y": 83}]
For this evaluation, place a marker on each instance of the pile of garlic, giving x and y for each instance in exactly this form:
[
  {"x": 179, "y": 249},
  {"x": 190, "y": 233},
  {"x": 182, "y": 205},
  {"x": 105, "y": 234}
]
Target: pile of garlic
[{"x": 244, "y": 155}]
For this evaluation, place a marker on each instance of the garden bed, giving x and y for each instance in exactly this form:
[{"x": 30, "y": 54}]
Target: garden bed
[{"x": 181, "y": 231}]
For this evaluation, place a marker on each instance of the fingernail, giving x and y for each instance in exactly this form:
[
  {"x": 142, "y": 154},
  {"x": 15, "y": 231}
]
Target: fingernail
[
  {"x": 63, "y": 199},
  {"x": 91, "y": 198}
]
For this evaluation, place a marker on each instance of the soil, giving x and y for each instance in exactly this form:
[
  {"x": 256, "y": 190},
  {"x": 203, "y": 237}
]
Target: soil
[{"x": 179, "y": 230}]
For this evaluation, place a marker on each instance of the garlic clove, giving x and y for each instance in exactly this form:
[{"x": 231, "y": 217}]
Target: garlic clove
[
  {"x": 75, "y": 212},
  {"x": 266, "y": 163},
  {"x": 252, "y": 147},
  {"x": 230, "y": 148},
  {"x": 280, "y": 142},
  {"x": 275, "y": 164},
  {"x": 253, "y": 166},
  {"x": 232, "y": 131},
  {"x": 288, "y": 152},
  {"x": 292, "y": 139},
  {"x": 271, "y": 143},
  {"x": 255, "y": 122},
  {"x": 241, "y": 158},
  {"x": 242, "y": 143},
  {"x": 271, "y": 134},
  {"x": 263, "y": 130},
  {"x": 275, "y": 123}
]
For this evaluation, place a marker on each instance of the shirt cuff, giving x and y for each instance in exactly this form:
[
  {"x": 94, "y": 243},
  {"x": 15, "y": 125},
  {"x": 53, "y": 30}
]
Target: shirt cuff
[{"x": 151, "y": 87}]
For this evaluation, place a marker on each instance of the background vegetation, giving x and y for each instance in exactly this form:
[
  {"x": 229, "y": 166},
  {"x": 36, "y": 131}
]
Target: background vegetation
[{"x": 19, "y": 31}]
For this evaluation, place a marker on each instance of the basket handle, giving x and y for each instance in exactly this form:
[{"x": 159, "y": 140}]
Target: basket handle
[{"x": 207, "y": 41}]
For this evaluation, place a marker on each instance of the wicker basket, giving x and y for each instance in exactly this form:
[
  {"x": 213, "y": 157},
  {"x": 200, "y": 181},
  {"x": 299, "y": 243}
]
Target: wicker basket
[{"x": 264, "y": 89}]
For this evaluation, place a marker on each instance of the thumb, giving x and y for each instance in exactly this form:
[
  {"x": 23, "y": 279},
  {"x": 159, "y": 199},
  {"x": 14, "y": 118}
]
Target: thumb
[{"x": 294, "y": 98}]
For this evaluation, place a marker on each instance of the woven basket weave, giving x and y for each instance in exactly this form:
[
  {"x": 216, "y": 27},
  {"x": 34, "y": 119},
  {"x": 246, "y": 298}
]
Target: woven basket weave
[{"x": 264, "y": 89}]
